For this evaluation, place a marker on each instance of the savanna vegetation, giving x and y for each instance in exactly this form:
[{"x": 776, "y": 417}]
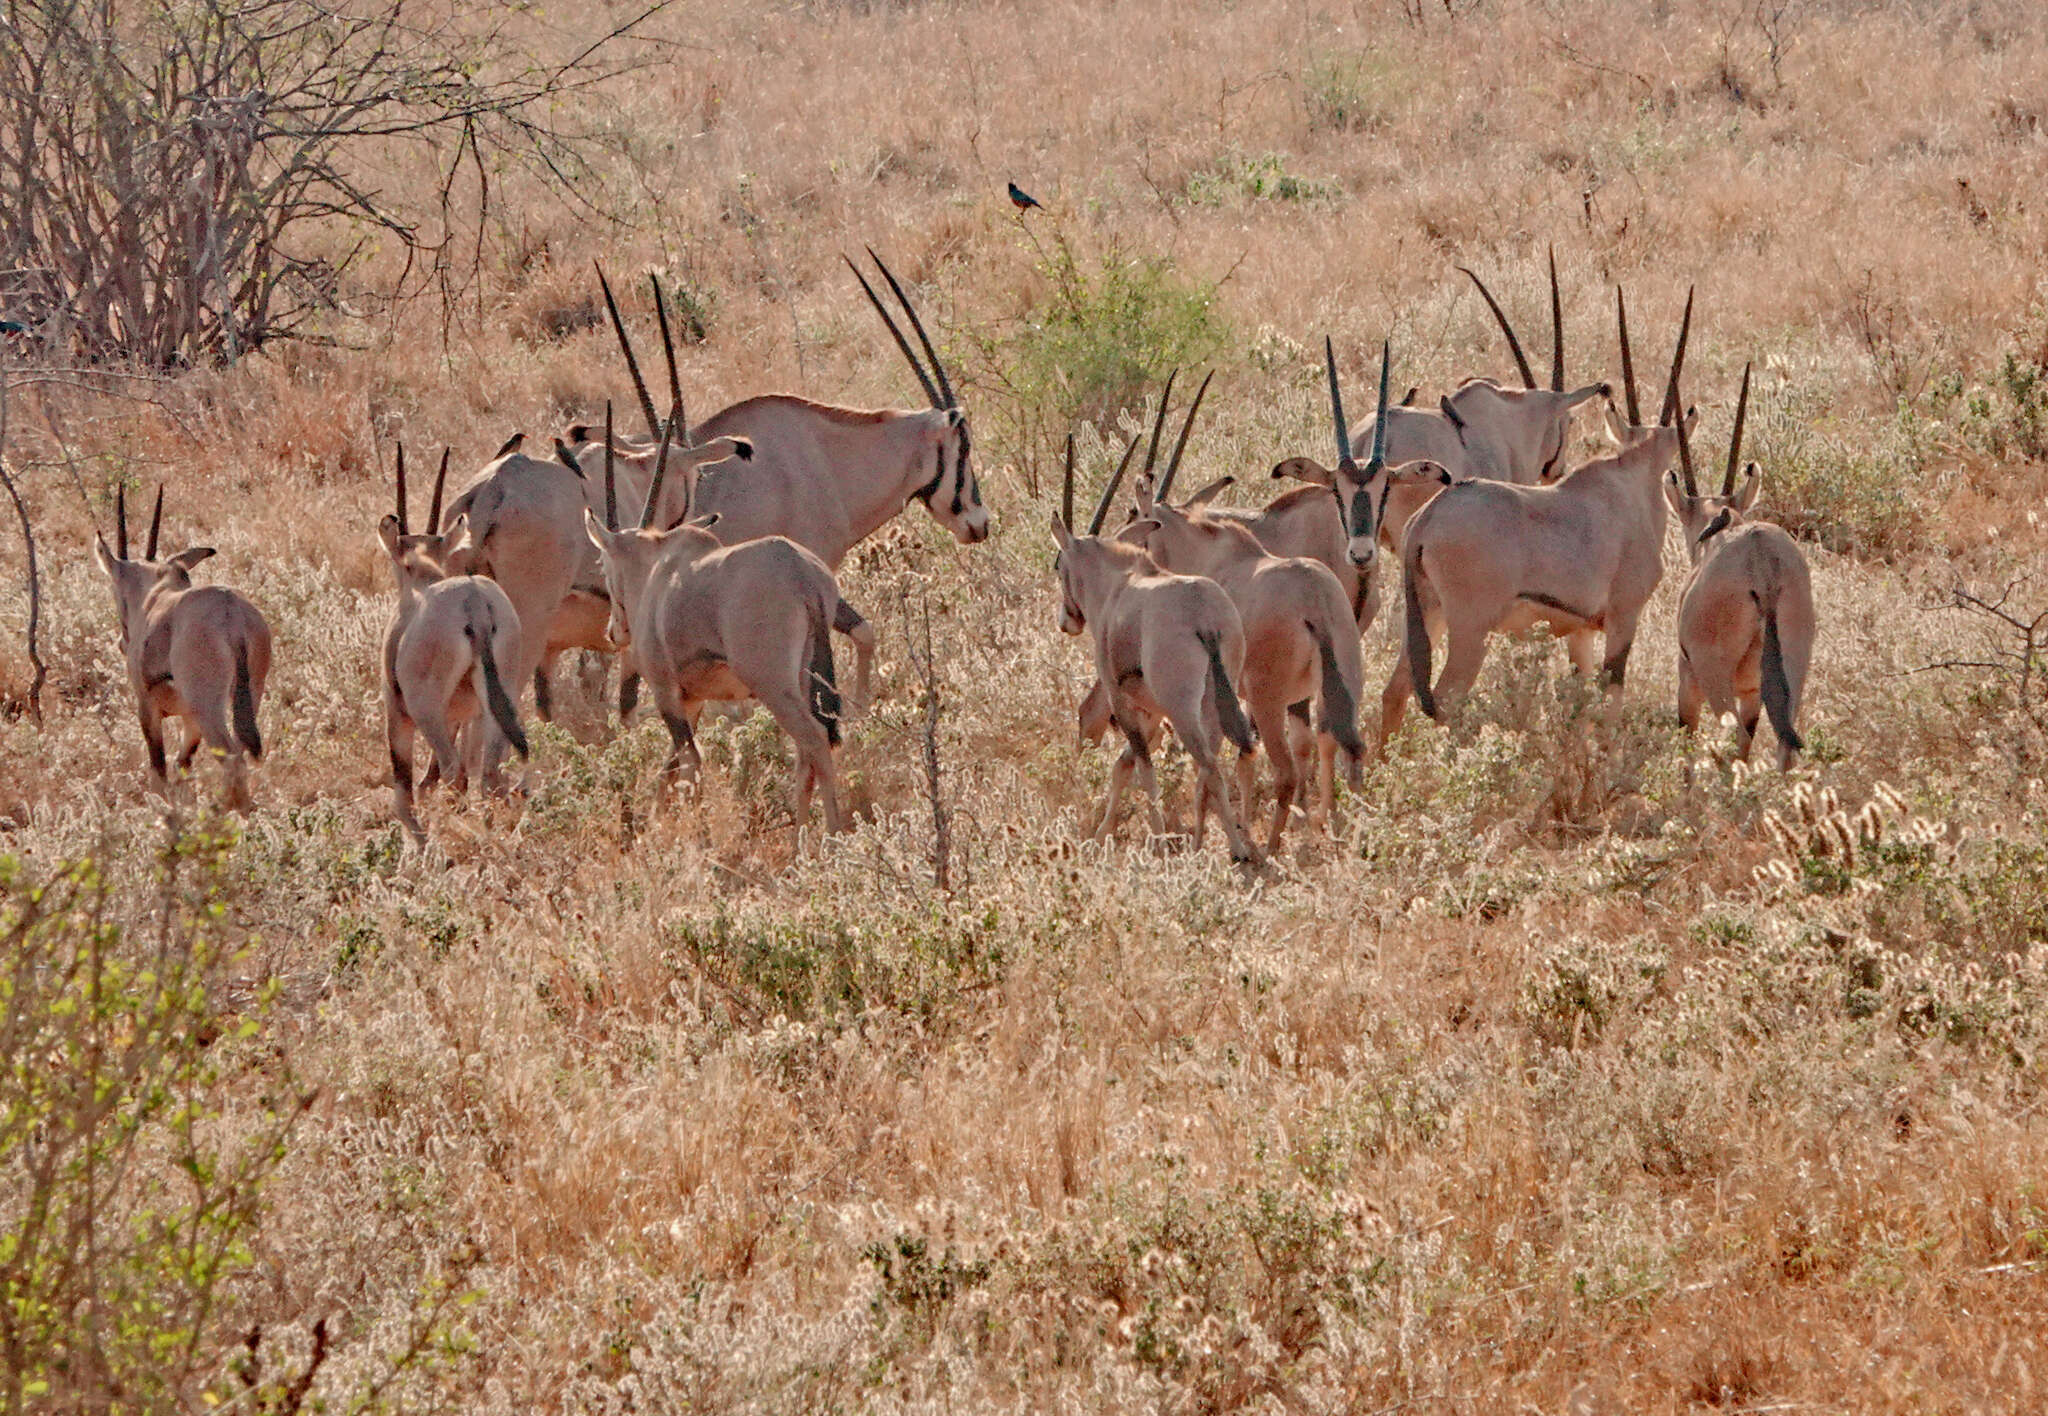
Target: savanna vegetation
[{"x": 1575, "y": 1069}]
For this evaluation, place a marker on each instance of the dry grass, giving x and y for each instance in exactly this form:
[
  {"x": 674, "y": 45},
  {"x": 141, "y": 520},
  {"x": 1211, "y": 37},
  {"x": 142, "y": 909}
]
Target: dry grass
[{"x": 1573, "y": 1074}]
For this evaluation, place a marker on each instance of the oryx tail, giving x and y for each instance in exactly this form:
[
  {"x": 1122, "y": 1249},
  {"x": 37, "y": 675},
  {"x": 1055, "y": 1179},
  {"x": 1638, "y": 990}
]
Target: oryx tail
[
  {"x": 1777, "y": 689},
  {"x": 821, "y": 684},
  {"x": 495, "y": 696},
  {"x": 1229, "y": 712},
  {"x": 243, "y": 700},
  {"x": 1340, "y": 709},
  {"x": 1418, "y": 627}
]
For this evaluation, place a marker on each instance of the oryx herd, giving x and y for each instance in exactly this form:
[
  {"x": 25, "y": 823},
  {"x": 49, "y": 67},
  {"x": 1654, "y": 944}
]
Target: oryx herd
[{"x": 705, "y": 557}]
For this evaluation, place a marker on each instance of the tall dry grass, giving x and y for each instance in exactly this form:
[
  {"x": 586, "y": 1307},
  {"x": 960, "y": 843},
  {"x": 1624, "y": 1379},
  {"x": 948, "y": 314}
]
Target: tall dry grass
[{"x": 1575, "y": 1072}]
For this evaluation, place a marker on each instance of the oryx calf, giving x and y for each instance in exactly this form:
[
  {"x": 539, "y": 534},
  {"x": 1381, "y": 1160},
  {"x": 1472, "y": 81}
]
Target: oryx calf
[
  {"x": 1745, "y": 616},
  {"x": 200, "y": 653},
  {"x": 1582, "y": 555},
  {"x": 449, "y": 634},
  {"x": 708, "y": 622},
  {"x": 1169, "y": 647}
]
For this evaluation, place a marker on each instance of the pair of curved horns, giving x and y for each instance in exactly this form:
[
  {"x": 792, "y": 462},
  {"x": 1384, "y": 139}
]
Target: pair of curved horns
[
  {"x": 1181, "y": 443},
  {"x": 668, "y": 349},
  {"x": 156, "y": 522},
  {"x": 433, "y": 508},
  {"x": 1670, "y": 412},
  {"x": 668, "y": 432},
  {"x": 1514, "y": 344},
  {"x": 937, "y": 387}
]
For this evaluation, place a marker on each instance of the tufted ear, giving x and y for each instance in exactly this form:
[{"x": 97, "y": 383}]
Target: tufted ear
[
  {"x": 1752, "y": 484},
  {"x": 1674, "y": 493},
  {"x": 190, "y": 556}
]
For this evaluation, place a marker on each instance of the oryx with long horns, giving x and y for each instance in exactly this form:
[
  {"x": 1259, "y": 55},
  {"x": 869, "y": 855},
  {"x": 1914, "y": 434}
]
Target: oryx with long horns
[
  {"x": 1581, "y": 555},
  {"x": 707, "y": 622},
  {"x": 1745, "y": 617},
  {"x": 1300, "y": 637},
  {"x": 1485, "y": 429},
  {"x": 1167, "y": 646},
  {"x": 449, "y": 634},
  {"x": 200, "y": 653}
]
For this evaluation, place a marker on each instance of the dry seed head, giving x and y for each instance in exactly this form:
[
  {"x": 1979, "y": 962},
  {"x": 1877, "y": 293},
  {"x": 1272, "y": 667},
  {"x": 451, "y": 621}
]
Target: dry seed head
[
  {"x": 1870, "y": 823},
  {"x": 1886, "y": 795},
  {"x": 1802, "y": 802},
  {"x": 1781, "y": 834},
  {"x": 1844, "y": 836},
  {"x": 1828, "y": 802}
]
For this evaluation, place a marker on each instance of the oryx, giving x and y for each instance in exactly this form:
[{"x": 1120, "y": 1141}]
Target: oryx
[
  {"x": 1745, "y": 617},
  {"x": 704, "y": 622},
  {"x": 200, "y": 653},
  {"x": 1483, "y": 430},
  {"x": 1168, "y": 646},
  {"x": 449, "y": 633},
  {"x": 1582, "y": 554}
]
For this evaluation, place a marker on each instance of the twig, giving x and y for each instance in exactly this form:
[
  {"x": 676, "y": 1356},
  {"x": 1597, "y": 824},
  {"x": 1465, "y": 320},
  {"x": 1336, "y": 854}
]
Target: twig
[
  {"x": 927, "y": 670},
  {"x": 35, "y": 580}
]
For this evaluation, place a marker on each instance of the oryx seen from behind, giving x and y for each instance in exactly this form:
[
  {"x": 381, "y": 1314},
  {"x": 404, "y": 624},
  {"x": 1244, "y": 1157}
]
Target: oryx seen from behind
[
  {"x": 1300, "y": 641},
  {"x": 450, "y": 636},
  {"x": 1745, "y": 617},
  {"x": 200, "y": 653},
  {"x": 1168, "y": 646},
  {"x": 1581, "y": 555},
  {"x": 704, "y": 622},
  {"x": 1484, "y": 429}
]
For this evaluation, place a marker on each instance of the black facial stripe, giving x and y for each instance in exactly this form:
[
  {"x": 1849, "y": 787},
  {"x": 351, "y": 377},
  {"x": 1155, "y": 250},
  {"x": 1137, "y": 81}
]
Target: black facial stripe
[
  {"x": 1386, "y": 490},
  {"x": 1361, "y": 513}
]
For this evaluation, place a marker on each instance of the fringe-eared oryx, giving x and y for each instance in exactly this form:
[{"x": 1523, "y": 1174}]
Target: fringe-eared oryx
[
  {"x": 1582, "y": 555},
  {"x": 1299, "y": 634},
  {"x": 200, "y": 653},
  {"x": 448, "y": 635},
  {"x": 1485, "y": 430},
  {"x": 1168, "y": 646},
  {"x": 709, "y": 622},
  {"x": 1745, "y": 618}
]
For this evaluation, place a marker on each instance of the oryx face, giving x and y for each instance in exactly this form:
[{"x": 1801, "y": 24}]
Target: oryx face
[{"x": 952, "y": 494}]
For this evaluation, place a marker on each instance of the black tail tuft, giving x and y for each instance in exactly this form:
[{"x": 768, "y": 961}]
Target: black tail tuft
[
  {"x": 244, "y": 705},
  {"x": 1418, "y": 627},
  {"x": 1777, "y": 691},
  {"x": 1340, "y": 709},
  {"x": 822, "y": 682},
  {"x": 495, "y": 697},
  {"x": 1229, "y": 711}
]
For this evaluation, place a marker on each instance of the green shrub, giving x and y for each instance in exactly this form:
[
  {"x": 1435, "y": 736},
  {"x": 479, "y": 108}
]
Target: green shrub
[
  {"x": 1236, "y": 179},
  {"x": 1349, "y": 92}
]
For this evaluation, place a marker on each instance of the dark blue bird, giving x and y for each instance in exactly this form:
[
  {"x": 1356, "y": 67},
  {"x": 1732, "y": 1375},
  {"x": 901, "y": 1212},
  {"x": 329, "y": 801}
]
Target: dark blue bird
[
  {"x": 13, "y": 327},
  {"x": 1022, "y": 199}
]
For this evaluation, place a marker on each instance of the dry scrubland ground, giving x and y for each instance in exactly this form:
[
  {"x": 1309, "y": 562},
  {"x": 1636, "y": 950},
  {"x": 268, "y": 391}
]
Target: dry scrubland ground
[{"x": 1563, "y": 1078}]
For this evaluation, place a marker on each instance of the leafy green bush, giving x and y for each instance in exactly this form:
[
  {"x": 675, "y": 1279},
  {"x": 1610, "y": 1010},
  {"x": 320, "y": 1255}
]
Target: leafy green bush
[
  {"x": 1235, "y": 179},
  {"x": 1840, "y": 486},
  {"x": 1348, "y": 92}
]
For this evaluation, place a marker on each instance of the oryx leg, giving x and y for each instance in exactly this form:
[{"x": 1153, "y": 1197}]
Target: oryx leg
[
  {"x": 848, "y": 621},
  {"x": 1093, "y": 716},
  {"x": 791, "y": 708},
  {"x": 399, "y": 738},
  {"x": 1196, "y": 722},
  {"x": 1464, "y": 655},
  {"x": 1580, "y": 645},
  {"x": 1401, "y": 682},
  {"x": 1690, "y": 697},
  {"x": 1135, "y": 750},
  {"x": 1621, "y": 637},
  {"x": 191, "y": 748},
  {"x": 676, "y": 716},
  {"x": 1270, "y": 718},
  {"x": 543, "y": 689},
  {"x": 1748, "y": 684},
  {"x": 1795, "y": 641}
]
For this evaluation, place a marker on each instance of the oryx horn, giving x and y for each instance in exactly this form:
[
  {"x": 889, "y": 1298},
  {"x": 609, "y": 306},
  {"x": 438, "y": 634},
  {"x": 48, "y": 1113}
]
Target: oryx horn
[
  {"x": 660, "y": 470},
  {"x": 1181, "y": 445},
  {"x": 1109, "y": 492},
  {"x": 440, "y": 485},
  {"x": 668, "y": 349},
  {"x": 1628, "y": 361},
  {"x": 626, "y": 348},
  {"x": 1735, "y": 438},
  {"x": 1379, "y": 427},
  {"x": 156, "y": 523},
  {"x": 938, "y": 369},
  {"x": 1556, "y": 329},
  {"x": 1514, "y": 344},
  {"x": 121, "y": 520},
  {"x": 1067, "y": 488},
  {"x": 930, "y": 389},
  {"x": 1336, "y": 403},
  {"x": 611, "y": 480},
  {"x": 403, "y": 528},
  {"x": 1673, "y": 414},
  {"x": 1159, "y": 422}
]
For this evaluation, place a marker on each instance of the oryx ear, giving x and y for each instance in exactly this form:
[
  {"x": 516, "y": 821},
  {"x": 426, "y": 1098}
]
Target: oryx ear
[
  {"x": 1139, "y": 531},
  {"x": 1674, "y": 493},
  {"x": 1209, "y": 493},
  {"x": 190, "y": 556},
  {"x": 742, "y": 448},
  {"x": 1305, "y": 469},
  {"x": 455, "y": 528},
  {"x": 1062, "y": 535},
  {"x": 1752, "y": 483},
  {"x": 1615, "y": 428},
  {"x": 594, "y": 529},
  {"x": 705, "y": 522},
  {"x": 105, "y": 557},
  {"x": 387, "y": 536}
]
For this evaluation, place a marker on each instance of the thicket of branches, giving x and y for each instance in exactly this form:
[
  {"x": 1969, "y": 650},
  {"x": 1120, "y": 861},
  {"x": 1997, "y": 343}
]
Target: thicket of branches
[{"x": 187, "y": 180}]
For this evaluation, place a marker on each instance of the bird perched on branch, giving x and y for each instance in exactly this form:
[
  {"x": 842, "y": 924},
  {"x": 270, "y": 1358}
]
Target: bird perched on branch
[{"x": 1021, "y": 199}]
